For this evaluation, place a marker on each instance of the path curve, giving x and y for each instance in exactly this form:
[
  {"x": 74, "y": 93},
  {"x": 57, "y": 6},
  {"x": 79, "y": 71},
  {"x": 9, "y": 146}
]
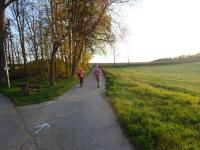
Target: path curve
[
  {"x": 13, "y": 133},
  {"x": 78, "y": 120}
]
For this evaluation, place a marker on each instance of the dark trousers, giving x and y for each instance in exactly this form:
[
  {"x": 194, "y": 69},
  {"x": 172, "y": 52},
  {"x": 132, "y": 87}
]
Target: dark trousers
[
  {"x": 81, "y": 82},
  {"x": 98, "y": 78}
]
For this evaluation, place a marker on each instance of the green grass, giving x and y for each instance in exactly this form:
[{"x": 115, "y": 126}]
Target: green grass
[
  {"x": 44, "y": 93},
  {"x": 158, "y": 106}
]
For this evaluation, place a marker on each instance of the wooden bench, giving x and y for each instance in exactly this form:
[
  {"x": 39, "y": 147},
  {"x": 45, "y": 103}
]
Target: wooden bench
[
  {"x": 27, "y": 88},
  {"x": 34, "y": 86}
]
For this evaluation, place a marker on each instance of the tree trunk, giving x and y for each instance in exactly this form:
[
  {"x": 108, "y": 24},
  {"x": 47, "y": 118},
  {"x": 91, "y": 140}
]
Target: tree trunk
[
  {"x": 114, "y": 56},
  {"x": 2, "y": 61},
  {"x": 74, "y": 57},
  {"x": 19, "y": 15},
  {"x": 2, "y": 40},
  {"x": 66, "y": 64},
  {"x": 52, "y": 70},
  {"x": 73, "y": 69},
  {"x": 56, "y": 44},
  {"x": 12, "y": 50}
]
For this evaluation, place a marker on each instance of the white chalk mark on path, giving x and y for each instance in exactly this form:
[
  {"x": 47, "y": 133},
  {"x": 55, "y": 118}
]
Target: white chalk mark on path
[
  {"x": 40, "y": 127},
  {"x": 49, "y": 103}
]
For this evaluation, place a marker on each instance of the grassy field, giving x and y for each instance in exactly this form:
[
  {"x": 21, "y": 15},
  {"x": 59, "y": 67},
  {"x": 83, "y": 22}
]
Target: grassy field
[
  {"x": 158, "y": 106},
  {"x": 44, "y": 93}
]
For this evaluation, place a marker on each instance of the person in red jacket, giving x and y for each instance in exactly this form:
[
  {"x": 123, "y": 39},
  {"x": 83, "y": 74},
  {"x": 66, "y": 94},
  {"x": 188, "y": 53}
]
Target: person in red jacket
[{"x": 80, "y": 75}]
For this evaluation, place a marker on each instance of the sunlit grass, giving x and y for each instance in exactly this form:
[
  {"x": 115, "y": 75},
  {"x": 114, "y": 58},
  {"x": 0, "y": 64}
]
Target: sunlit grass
[{"x": 159, "y": 106}]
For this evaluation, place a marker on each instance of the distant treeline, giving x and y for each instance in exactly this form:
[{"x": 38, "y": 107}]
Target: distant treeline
[
  {"x": 163, "y": 61},
  {"x": 182, "y": 58}
]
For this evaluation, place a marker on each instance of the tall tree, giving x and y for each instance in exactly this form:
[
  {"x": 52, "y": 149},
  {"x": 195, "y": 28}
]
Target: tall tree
[
  {"x": 3, "y": 5},
  {"x": 18, "y": 11},
  {"x": 62, "y": 32}
]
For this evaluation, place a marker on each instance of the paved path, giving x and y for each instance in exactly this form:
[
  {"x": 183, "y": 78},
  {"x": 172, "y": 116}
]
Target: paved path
[
  {"x": 13, "y": 133},
  {"x": 79, "y": 120}
]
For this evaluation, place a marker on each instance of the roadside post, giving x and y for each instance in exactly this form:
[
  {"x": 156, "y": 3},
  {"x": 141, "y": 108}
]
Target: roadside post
[
  {"x": 6, "y": 68},
  {"x": 7, "y": 75}
]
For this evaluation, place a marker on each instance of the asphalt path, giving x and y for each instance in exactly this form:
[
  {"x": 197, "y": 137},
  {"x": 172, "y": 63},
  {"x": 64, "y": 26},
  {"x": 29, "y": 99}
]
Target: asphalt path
[
  {"x": 13, "y": 133},
  {"x": 81, "y": 119}
]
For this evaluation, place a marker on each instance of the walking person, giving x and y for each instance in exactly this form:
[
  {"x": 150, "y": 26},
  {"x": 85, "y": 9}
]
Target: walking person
[
  {"x": 80, "y": 75},
  {"x": 98, "y": 75}
]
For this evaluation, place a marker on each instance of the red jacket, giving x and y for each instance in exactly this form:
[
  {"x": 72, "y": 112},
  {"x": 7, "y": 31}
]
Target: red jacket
[{"x": 81, "y": 73}]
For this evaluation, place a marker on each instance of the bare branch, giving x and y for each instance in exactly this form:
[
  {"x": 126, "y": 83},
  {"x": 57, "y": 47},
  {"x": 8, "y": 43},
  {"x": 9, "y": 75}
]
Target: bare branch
[{"x": 9, "y": 2}]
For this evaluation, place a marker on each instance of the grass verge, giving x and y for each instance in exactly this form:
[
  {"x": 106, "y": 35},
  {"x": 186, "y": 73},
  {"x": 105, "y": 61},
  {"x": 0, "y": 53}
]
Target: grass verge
[
  {"x": 158, "y": 106},
  {"x": 44, "y": 93}
]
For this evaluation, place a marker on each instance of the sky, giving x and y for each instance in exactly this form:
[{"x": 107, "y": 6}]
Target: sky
[{"x": 157, "y": 29}]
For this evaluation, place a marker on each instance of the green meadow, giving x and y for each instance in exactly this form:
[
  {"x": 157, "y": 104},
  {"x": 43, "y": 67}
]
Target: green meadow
[{"x": 158, "y": 106}]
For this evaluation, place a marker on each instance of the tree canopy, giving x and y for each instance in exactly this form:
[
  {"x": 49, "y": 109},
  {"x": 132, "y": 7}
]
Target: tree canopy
[{"x": 49, "y": 39}]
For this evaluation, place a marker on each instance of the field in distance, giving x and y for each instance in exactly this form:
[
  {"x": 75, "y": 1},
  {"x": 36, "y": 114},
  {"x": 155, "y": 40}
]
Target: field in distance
[{"x": 158, "y": 106}]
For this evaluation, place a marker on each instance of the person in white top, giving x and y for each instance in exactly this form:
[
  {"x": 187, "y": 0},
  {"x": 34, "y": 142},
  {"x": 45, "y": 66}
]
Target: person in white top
[{"x": 97, "y": 72}]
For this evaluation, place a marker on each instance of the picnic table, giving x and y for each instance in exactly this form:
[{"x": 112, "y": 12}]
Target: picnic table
[{"x": 27, "y": 87}]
